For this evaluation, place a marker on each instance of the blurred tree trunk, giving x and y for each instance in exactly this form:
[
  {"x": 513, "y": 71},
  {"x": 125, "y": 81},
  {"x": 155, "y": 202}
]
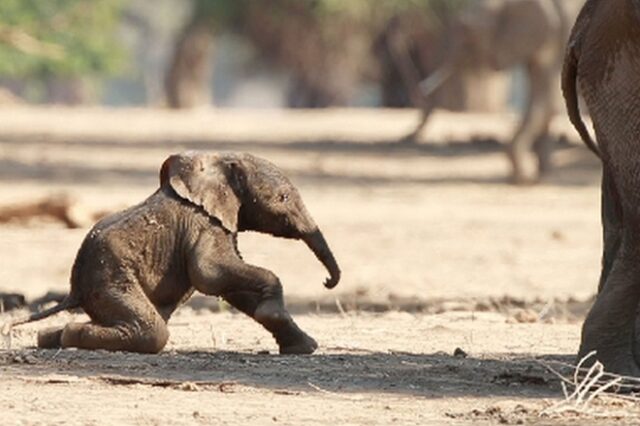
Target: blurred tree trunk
[
  {"x": 187, "y": 82},
  {"x": 408, "y": 52}
]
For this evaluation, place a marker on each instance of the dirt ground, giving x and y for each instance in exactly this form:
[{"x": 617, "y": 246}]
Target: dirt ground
[{"x": 439, "y": 255}]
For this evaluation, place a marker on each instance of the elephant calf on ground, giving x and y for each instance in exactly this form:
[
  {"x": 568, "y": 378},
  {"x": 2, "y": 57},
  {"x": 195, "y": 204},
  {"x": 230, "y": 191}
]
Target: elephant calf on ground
[
  {"x": 603, "y": 62},
  {"x": 136, "y": 267}
]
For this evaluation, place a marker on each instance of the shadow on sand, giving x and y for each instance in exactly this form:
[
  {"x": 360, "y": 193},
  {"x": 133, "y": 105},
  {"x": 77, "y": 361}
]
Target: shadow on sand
[
  {"x": 579, "y": 167},
  {"x": 423, "y": 375}
]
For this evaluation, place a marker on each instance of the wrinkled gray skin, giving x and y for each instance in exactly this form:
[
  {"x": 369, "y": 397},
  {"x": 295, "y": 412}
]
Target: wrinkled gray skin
[
  {"x": 499, "y": 35},
  {"x": 136, "y": 267},
  {"x": 603, "y": 64}
]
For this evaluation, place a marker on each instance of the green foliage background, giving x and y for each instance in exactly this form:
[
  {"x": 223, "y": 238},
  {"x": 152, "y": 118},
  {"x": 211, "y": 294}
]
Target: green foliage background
[
  {"x": 83, "y": 31},
  {"x": 305, "y": 38},
  {"x": 228, "y": 13}
]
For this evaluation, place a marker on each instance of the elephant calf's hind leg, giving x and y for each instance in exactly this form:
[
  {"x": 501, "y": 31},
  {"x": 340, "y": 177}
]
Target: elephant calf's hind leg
[
  {"x": 121, "y": 323},
  {"x": 126, "y": 337},
  {"x": 50, "y": 338}
]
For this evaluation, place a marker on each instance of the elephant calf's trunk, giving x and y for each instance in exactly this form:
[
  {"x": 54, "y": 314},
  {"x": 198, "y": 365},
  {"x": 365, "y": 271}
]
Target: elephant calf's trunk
[{"x": 318, "y": 245}]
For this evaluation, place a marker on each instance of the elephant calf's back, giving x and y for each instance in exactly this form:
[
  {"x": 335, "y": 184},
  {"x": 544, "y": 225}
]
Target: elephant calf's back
[{"x": 141, "y": 246}]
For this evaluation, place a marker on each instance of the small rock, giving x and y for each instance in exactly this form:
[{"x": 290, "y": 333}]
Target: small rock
[
  {"x": 188, "y": 386},
  {"x": 459, "y": 353},
  {"x": 526, "y": 316},
  {"x": 30, "y": 359}
]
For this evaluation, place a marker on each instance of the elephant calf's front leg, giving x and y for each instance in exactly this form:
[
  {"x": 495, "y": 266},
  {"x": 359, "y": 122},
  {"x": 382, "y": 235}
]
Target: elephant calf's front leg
[{"x": 255, "y": 291}]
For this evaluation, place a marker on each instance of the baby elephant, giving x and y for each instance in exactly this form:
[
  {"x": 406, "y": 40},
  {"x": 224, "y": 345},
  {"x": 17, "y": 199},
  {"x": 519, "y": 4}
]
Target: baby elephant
[{"x": 136, "y": 267}]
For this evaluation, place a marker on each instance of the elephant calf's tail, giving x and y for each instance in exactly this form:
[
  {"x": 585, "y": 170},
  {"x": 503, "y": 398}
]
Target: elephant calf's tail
[
  {"x": 68, "y": 303},
  {"x": 570, "y": 92}
]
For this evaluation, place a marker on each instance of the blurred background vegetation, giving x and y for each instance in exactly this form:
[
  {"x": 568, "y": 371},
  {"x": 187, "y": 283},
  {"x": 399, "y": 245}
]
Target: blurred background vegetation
[{"x": 189, "y": 53}]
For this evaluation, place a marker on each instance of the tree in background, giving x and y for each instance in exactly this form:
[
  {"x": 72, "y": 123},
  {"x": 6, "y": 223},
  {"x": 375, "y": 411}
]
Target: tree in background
[
  {"x": 325, "y": 46},
  {"x": 57, "y": 42},
  {"x": 187, "y": 79},
  {"x": 412, "y": 43}
]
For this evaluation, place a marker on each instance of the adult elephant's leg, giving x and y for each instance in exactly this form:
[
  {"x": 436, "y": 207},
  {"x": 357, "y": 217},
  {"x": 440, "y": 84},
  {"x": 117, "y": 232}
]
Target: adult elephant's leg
[
  {"x": 609, "y": 328},
  {"x": 533, "y": 127},
  {"x": 611, "y": 212},
  {"x": 425, "y": 113},
  {"x": 612, "y": 227}
]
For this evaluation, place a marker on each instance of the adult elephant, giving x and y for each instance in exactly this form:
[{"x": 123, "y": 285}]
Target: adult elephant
[
  {"x": 499, "y": 35},
  {"x": 602, "y": 63}
]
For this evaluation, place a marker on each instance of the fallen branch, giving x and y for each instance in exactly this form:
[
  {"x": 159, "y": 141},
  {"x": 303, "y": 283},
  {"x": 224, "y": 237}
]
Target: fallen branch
[
  {"x": 225, "y": 387},
  {"x": 62, "y": 208},
  {"x": 336, "y": 394}
]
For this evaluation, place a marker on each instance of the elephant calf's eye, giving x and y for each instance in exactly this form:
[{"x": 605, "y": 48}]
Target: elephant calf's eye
[{"x": 283, "y": 198}]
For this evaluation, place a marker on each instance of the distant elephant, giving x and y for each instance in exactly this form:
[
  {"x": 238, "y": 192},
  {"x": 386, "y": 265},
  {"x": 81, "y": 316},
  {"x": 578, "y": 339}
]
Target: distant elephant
[
  {"x": 136, "y": 267},
  {"x": 602, "y": 63},
  {"x": 499, "y": 35}
]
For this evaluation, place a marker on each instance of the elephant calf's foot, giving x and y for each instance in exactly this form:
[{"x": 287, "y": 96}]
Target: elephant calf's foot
[
  {"x": 290, "y": 338},
  {"x": 298, "y": 344},
  {"x": 50, "y": 338}
]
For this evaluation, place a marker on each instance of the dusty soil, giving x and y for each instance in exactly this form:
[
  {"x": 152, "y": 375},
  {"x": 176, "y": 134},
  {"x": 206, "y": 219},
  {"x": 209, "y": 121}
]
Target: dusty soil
[{"x": 438, "y": 254}]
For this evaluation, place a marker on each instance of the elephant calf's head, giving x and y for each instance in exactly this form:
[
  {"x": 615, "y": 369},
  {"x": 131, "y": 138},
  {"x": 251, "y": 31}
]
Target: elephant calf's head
[{"x": 247, "y": 193}]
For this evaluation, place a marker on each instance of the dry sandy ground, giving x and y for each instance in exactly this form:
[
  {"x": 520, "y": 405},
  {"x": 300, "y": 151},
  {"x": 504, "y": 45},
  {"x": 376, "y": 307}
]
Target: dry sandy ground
[{"x": 438, "y": 253}]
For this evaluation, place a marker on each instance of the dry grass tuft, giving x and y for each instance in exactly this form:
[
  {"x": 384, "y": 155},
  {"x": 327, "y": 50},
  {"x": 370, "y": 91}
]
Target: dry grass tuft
[
  {"x": 595, "y": 392},
  {"x": 5, "y": 335}
]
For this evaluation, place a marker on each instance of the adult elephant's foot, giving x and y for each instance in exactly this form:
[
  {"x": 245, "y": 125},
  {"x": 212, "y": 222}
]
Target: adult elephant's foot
[
  {"x": 524, "y": 168},
  {"x": 610, "y": 327},
  {"x": 543, "y": 149},
  {"x": 520, "y": 177},
  {"x": 410, "y": 139},
  {"x": 636, "y": 341},
  {"x": 619, "y": 361},
  {"x": 523, "y": 180}
]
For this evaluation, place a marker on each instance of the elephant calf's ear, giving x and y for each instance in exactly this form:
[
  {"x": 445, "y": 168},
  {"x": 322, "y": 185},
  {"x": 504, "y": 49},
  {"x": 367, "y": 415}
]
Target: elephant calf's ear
[
  {"x": 164, "y": 170},
  {"x": 201, "y": 179}
]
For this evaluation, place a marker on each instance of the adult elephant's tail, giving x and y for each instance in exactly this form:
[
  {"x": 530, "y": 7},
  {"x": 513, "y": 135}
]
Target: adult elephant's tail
[{"x": 570, "y": 92}]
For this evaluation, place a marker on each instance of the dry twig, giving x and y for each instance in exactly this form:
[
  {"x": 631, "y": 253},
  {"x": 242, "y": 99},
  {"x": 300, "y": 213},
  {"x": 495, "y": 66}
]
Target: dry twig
[
  {"x": 336, "y": 394},
  {"x": 589, "y": 385}
]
